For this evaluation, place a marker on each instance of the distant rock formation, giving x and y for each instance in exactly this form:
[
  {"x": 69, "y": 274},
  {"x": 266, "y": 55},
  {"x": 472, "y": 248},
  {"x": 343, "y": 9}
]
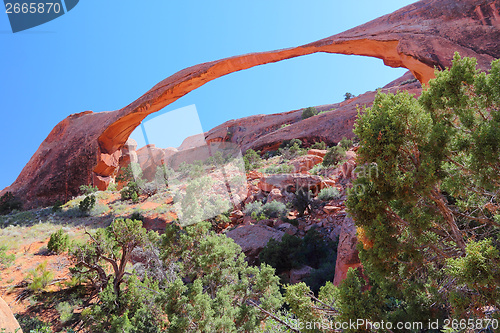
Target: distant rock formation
[{"x": 85, "y": 148}]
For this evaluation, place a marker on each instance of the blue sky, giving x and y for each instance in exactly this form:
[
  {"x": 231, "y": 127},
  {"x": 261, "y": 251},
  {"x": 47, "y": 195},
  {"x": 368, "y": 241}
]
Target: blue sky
[{"x": 102, "y": 55}]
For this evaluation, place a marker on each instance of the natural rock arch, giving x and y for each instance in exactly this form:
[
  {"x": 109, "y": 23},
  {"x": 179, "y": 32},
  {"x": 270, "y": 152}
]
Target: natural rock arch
[{"x": 85, "y": 147}]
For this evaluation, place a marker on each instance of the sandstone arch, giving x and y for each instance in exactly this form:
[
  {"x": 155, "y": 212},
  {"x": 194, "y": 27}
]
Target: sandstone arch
[{"x": 85, "y": 147}]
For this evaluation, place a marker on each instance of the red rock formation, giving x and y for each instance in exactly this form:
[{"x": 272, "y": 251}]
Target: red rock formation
[
  {"x": 7, "y": 320},
  {"x": 83, "y": 148},
  {"x": 347, "y": 254},
  {"x": 253, "y": 238}
]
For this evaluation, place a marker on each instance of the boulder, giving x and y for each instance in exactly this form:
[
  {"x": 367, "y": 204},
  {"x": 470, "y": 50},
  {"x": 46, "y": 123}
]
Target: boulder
[
  {"x": 236, "y": 216},
  {"x": 302, "y": 164},
  {"x": 7, "y": 320},
  {"x": 318, "y": 152},
  {"x": 297, "y": 275},
  {"x": 331, "y": 209},
  {"x": 253, "y": 238},
  {"x": 275, "y": 195},
  {"x": 288, "y": 228},
  {"x": 290, "y": 182}
]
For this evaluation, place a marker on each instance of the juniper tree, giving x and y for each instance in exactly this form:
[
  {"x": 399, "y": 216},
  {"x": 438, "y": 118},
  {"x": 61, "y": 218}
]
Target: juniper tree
[{"x": 429, "y": 217}]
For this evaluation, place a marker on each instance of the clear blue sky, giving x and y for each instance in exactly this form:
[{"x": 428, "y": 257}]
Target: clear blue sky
[{"x": 102, "y": 55}]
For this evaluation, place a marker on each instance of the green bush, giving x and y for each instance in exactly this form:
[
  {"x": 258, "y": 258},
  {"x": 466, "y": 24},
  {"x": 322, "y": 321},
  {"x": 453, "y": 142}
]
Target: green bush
[
  {"x": 58, "y": 242},
  {"x": 281, "y": 168},
  {"x": 319, "y": 145},
  {"x": 65, "y": 310},
  {"x": 40, "y": 277},
  {"x": 33, "y": 324},
  {"x": 291, "y": 148},
  {"x": 283, "y": 255},
  {"x": 130, "y": 173},
  {"x": 252, "y": 159},
  {"x": 252, "y": 207},
  {"x": 137, "y": 216},
  {"x": 274, "y": 209},
  {"x": 8, "y": 203},
  {"x": 88, "y": 189},
  {"x": 333, "y": 156},
  {"x": 87, "y": 204},
  {"x": 329, "y": 193},
  {"x": 293, "y": 252},
  {"x": 149, "y": 189},
  {"x": 309, "y": 112},
  {"x": 131, "y": 191},
  {"x": 316, "y": 170},
  {"x": 112, "y": 187},
  {"x": 57, "y": 206},
  {"x": 302, "y": 201},
  {"x": 345, "y": 143}
]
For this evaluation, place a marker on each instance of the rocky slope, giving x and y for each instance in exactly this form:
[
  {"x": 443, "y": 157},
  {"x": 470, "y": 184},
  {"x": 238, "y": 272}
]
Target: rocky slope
[{"x": 86, "y": 147}]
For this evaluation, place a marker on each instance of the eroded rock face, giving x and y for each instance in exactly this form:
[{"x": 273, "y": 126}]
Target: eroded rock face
[
  {"x": 253, "y": 238},
  {"x": 7, "y": 319},
  {"x": 290, "y": 182},
  {"x": 82, "y": 149},
  {"x": 347, "y": 254}
]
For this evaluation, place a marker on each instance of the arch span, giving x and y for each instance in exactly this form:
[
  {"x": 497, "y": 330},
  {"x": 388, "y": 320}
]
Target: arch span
[{"x": 85, "y": 148}]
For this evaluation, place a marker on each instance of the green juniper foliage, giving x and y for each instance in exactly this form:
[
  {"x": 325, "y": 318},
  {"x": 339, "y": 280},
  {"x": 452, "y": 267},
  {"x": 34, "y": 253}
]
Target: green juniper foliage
[
  {"x": 309, "y": 112},
  {"x": 58, "y": 242},
  {"x": 429, "y": 216}
]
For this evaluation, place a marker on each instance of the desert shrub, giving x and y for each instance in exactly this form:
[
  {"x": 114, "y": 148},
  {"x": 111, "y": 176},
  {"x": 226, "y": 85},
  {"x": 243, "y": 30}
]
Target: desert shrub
[
  {"x": 291, "y": 148},
  {"x": 345, "y": 143},
  {"x": 99, "y": 209},
  {"x": 293, "y": 252},
  {"x": 131, "y": 172},
  {"x": 162, "y": 174},
  {"x": 149, "y": 189},
  {"x": 137, "y": 216},
  {"x": 33, "y": 324},
  {"x": 58, "y": 242},
  {"x": 309, "y": 112},
  {"x": 302, "y": 201},
  {"x": 131, "y": 191},
  {"x": 333, "y": 156},
  {"x": 329, "y": 193},
  {"x": 316, "y": 170},
  {"x": 112, "y": 187},
  {"x": 57, "y": 206},
  {"x": 252, "y": 207},
  {"x": 65, "y": 310},
  {"x": 281, "y": 168},
  {"x": 88, "y": 189},
  {"x": 284, "y": 254},
  {"x": 87, "y": 204},
  {"x": 9, "y": 202},
  {"x": 6, "y": 259},
  {"x": 274, "y": 209},
  {"x": 39, "y": 278},
  {"x": 319, "y": 145},
  {"x": 252, "y": 159}
]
